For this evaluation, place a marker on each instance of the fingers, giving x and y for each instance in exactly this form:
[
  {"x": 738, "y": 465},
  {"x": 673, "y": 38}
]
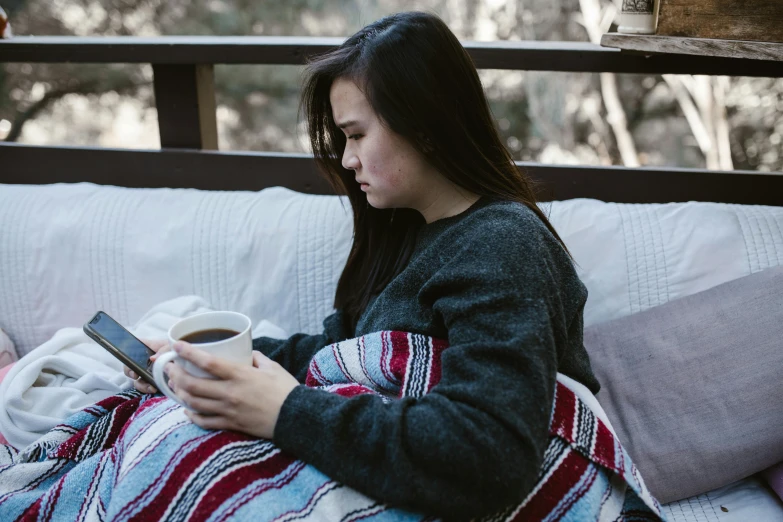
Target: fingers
[
  {"x": 195, "y": 386},
  {"x": 140, "y": 384},
  {"x": 217, "y": 367},
  {"x": 143, "y": 387},
  {"x": 208, "y": 422},
  {"x": 200, "y": 404}
]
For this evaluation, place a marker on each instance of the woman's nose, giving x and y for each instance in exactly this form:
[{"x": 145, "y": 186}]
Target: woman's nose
[{"x": 350, "y": 159}]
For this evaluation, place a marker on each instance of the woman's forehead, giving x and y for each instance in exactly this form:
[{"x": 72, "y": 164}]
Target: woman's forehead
[{"x": 348, "y": 103}]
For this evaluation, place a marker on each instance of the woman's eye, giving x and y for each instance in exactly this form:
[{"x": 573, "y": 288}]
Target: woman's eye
[{"x": 354, "y": 136}]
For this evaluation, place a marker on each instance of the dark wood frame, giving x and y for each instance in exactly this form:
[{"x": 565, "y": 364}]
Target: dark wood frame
[{"x": 184, "y": 91}]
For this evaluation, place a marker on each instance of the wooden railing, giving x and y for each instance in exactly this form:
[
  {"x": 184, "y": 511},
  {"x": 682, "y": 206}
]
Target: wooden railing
[{"x": 185, "y": 102}]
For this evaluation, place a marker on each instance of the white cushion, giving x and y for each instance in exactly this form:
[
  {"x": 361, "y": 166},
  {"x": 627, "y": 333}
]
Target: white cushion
[
  {"x": 633, "y": 257},
  {"x": 743, "y": 501},
  {"x": 67, "y": 250}
]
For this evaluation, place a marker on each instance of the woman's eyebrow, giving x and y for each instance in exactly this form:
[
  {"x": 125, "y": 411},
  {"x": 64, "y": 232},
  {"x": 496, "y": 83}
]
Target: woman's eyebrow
[{"x": 347, "y": 124}]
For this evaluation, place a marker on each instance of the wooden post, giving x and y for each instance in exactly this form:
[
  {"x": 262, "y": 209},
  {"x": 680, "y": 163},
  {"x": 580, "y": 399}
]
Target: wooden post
[{"x": 185, "y": 99}]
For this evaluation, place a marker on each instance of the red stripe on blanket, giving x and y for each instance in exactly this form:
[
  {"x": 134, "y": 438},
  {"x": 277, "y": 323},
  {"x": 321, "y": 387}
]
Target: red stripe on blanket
[
  {"x": 222, "y": 490},
  {"x": 401, "y": 351},
  {"x": 120, "y": 412},
  {"x": 564, "y": 420},
  {"x": 438, "y": 345},
  {"x": 314, "y": 376},
  {"x": 94, "y": 481},
  {"x": 554, "y": 489},
  {"x": 109, "y": 403},
  {"x": 177, "y": 475},
  {"x": 564, "y": 417},
  {"x": 351, "y": 390},
  {"x": 604, "y": 452},
  {"x": 51, "y": 502},
  {"x": 31, "y": 514}
]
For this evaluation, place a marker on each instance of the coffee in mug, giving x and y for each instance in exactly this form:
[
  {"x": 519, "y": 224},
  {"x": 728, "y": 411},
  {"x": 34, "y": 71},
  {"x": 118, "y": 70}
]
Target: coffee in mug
[
  {"x": 209, "y": 336},
  {"x": 223, "y": 334}
]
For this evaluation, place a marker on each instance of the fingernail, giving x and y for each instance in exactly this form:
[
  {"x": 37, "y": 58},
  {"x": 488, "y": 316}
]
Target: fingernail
[{"x": 178, "y": 346}]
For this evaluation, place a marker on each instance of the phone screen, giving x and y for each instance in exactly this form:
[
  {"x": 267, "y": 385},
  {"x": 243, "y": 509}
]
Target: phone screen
[{"x": 122, "y": 339}]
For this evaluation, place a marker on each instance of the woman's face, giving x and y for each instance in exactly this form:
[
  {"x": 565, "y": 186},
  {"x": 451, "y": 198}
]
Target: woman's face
[{"x": 389, "y": 169}]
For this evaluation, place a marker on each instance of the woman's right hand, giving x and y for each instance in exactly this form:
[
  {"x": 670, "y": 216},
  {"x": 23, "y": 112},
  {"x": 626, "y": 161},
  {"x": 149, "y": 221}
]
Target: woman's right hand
[{"x": 158, "y": 346}]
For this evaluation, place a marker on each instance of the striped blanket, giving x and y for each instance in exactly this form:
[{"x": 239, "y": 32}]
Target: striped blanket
[{"x": 138, "y": 457}]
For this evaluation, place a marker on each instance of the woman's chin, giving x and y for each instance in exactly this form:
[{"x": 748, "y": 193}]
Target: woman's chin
[
  {"x": 379, "y": 202},
  {"x": 374, "y": 203}
]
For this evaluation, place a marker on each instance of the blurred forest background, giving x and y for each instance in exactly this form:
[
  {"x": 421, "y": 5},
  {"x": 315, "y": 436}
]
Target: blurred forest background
[{"x": 566, "y": 118}]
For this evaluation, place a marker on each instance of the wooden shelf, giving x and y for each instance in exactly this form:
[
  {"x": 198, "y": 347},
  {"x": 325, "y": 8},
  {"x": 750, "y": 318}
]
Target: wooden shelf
[{"x": 654, "y": 44}]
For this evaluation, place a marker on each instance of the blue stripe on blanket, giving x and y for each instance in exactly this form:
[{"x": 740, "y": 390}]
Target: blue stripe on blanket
[{"x": 134, "y": 456}]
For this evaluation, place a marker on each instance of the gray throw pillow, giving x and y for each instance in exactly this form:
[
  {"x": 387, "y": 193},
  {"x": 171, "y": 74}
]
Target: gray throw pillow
[{"x": 694, "y": 387}]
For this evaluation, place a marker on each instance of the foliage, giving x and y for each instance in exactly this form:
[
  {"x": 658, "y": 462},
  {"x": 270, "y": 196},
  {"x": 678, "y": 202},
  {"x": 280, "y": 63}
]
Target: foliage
[{"x": 550, "y": 117}]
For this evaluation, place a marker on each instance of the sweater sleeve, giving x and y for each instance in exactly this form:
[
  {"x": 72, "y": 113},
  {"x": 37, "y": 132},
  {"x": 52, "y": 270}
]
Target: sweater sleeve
[
  {"x": 294, "y": 353},
  {"x": 473, "y": 445}
]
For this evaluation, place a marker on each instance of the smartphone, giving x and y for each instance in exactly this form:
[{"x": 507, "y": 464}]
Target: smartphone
[{"x": 122, "y": 344}]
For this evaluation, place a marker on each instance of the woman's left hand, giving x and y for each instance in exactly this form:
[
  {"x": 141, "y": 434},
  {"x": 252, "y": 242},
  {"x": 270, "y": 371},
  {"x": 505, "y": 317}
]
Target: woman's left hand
[{"x": 242, "y": 398}]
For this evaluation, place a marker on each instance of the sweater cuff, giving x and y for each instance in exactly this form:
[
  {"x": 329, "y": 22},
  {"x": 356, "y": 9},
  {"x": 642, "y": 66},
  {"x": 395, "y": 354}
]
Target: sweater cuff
[{"x": 303, "y": 419}]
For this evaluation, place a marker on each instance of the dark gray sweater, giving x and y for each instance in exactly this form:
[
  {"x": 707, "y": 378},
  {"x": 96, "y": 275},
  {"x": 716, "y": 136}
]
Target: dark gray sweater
[{"x": 496, "y": 284}]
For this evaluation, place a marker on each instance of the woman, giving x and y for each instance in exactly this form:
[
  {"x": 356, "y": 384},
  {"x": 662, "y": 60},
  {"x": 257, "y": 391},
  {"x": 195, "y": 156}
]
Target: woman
[{"x": 449, "y": 243}]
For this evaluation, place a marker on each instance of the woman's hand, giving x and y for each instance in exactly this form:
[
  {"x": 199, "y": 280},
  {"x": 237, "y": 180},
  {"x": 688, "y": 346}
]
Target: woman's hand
[
  {"x": 242, "y": 398},
  {"x": 158, "y": 346}
]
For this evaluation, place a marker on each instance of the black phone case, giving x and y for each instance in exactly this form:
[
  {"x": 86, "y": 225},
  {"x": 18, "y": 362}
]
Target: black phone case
[{"x": 130, "y": 363}]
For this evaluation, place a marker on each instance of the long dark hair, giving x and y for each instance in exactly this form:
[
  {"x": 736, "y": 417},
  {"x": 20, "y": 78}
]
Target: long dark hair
[{"x": 423, "y": 85}]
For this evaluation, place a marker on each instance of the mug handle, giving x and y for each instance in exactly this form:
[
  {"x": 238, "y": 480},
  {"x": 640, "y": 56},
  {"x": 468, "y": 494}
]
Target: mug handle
[{"x": 160, "y": 377}]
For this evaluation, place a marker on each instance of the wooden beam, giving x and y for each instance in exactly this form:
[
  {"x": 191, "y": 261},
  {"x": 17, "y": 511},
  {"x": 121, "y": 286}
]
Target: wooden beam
[
  {"x": 695, "y": 46},
  {"x": 185, "y": 100},
  {"x": 513, "y": 55},
  {"x": 210, "y": 170}
]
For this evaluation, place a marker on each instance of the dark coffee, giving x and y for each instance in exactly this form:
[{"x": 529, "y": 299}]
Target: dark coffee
[{"x": 209, "y": 336}]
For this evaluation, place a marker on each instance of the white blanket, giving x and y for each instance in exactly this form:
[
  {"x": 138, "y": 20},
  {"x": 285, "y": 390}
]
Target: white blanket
[{"x": 70, "y": 371}]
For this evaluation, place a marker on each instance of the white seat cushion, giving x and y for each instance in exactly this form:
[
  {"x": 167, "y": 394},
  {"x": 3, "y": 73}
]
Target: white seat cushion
[{"x": 67, "y": 250}]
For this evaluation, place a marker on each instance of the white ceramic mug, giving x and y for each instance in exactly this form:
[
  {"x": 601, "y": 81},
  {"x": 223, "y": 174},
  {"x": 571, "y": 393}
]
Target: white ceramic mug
[{"x": 238, "y": 348}]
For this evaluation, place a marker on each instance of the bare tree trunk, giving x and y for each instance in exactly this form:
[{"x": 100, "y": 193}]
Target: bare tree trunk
[
  {"x": 591, "y": 107},
  {"x": 703, "y": 102},
  {"x": 704, "y": 99},
  {"x": 615, "y": 114},
  {"x": 686, "y": 89},
  {"x": 721, "y": 86}
]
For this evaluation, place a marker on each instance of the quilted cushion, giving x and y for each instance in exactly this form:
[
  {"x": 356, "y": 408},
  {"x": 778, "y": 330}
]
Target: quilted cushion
[{"x": 67, "y": 250}]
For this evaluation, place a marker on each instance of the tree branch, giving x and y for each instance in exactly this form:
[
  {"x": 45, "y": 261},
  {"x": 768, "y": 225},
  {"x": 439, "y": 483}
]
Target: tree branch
[{"x": 88, "y": 87}]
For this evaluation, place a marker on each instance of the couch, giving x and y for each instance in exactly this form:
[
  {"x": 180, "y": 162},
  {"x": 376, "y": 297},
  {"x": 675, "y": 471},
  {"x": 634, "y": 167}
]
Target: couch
[{"x": 67, "y": 250}]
